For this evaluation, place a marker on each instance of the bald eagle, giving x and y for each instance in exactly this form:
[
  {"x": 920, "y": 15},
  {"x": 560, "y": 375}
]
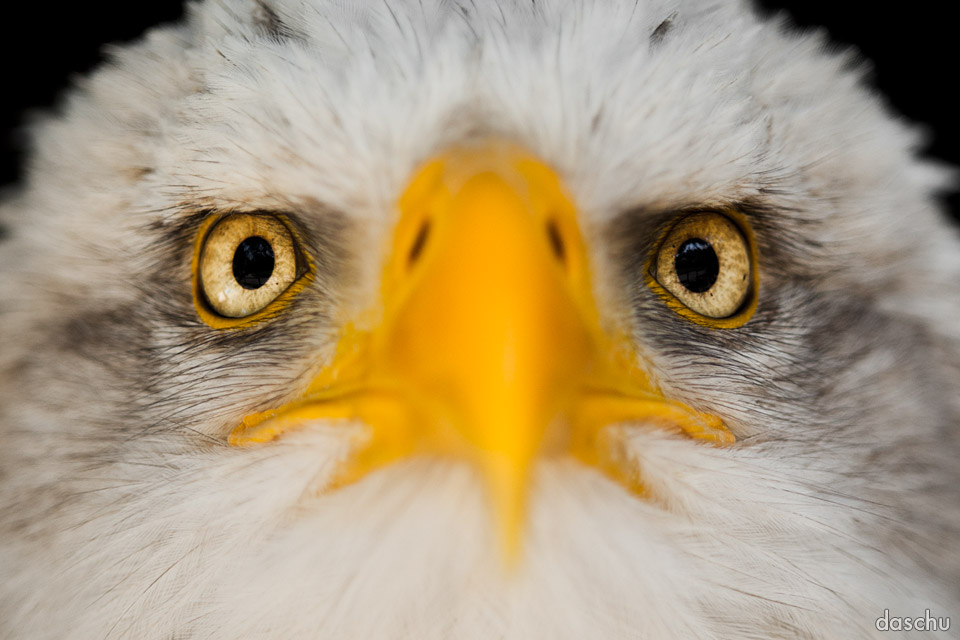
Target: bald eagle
[{"x": 453, "y": 319}]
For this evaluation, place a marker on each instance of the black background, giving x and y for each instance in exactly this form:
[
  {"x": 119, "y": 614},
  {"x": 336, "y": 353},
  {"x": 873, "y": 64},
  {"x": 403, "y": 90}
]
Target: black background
[{"x": 911, "y": 48}]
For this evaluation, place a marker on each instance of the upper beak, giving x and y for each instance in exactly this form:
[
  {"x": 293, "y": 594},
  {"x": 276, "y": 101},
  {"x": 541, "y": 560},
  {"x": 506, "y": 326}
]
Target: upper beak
[{"x": 490, "y": 345}]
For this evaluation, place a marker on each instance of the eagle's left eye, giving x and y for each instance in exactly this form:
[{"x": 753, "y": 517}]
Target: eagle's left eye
[
  {"x": 705, "y": 262},
  {"x": 246, "y": 261}
]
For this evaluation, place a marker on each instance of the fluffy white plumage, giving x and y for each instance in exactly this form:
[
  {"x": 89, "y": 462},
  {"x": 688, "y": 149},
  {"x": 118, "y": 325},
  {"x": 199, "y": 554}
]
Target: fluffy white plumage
[{"x": 123, "y": 515}]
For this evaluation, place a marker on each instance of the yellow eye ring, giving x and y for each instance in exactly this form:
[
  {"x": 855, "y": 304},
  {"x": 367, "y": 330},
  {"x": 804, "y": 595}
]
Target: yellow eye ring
[
  {"x": 246, "y": 268},
  {"x": 704, "y": 268}
]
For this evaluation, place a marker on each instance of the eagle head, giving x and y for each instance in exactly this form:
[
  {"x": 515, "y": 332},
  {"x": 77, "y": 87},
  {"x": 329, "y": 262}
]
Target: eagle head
[{"x": 444, "y": 319}]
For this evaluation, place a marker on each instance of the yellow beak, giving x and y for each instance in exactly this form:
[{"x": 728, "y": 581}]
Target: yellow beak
[{"x": 490, "y": 346}]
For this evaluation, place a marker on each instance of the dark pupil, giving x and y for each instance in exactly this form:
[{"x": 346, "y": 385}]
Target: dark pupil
[
  {"x": 696, "y": 264},
  {"x": 253, "y": 262}
]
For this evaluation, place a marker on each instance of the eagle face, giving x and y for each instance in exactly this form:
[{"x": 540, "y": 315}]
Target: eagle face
[{"x": 477, "y": 320}]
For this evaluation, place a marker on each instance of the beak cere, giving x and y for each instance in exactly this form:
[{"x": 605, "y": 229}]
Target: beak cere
[{"x": 489, "y": 345}]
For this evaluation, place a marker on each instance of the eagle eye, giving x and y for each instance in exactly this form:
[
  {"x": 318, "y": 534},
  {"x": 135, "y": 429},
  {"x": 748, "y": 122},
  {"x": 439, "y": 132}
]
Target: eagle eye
[
  {"x": 706, "y": 263},
  {"x": 245, "y": 262}
]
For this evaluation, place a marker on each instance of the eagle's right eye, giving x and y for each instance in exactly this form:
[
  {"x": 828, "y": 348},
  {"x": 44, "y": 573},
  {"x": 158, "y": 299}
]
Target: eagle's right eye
[{"x": 246, "y": 261}]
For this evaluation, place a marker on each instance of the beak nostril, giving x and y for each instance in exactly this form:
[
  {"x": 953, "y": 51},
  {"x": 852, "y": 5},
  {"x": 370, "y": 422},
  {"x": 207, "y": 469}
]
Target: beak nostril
[
  {"x": 556, "y": 241},
  {"x": 419, "y": 243}
]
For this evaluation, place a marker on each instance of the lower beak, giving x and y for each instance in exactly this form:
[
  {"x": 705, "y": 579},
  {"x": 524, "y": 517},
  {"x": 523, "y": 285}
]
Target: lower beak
[{"x": 489, "y": 347}]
